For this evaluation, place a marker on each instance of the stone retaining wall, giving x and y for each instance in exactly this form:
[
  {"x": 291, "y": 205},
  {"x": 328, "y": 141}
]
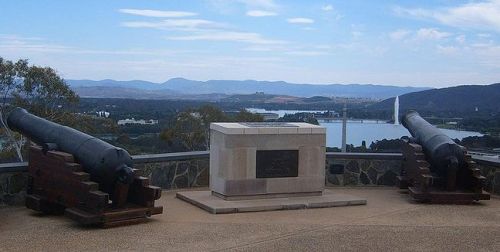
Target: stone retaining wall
[
  {"x": 362, "y": 170},
  {"x": 490, "y": 168},
  {"x": 13, "y": 188},
  {"x": 190, "y": 169},
  {"x": 177, "y": 174}
]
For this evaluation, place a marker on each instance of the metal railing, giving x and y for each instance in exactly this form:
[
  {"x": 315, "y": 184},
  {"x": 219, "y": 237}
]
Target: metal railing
[{"x": 177, "y": 156}]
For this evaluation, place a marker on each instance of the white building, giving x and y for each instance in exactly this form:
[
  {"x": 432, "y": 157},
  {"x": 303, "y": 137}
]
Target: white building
[
  {"x": 140, "y": 121},
  {"x": 103, "y": 114}
]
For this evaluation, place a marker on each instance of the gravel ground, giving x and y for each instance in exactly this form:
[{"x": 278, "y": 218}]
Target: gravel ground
[{"x": 389, "y": 222}]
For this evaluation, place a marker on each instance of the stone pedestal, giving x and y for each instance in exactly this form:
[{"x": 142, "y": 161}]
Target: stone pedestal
[
  {"x": 266, "y": 166},
  {"x": 260, "y": 160}
]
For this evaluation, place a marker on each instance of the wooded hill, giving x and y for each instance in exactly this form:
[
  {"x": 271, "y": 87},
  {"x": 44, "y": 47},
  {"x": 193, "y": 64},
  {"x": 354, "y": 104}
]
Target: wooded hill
[{"x": 467, "y": 100}]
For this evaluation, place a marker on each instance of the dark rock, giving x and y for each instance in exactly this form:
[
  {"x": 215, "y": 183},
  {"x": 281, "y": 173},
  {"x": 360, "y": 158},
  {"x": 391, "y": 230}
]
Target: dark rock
[
  {"x": 496, "y": 183},
  {"x": 488, "y": 184},
  {"x": 198, "y": 173},
  {"x": 163, "y": 174},
  {"x": 340, "y": 178},
  {"x": 388, "y": 179},
  {"x": 336, "y": 169},
  {"x": 364, "y": 165},
  {"x": 351, "y": 178},
  {"x": 181, "y": 182},
  {"x": 489, "y": 173},
  {"x": 181, "y": 177},
  {"x": 380, "y": 166},
  {"x": 203, "y": 168},
  {"x": 372, "y": 175},
  {"x": 17, "y": 183},
  {"x": 352, "y": 166},
  {"x": 332, "y": 179},
  {"x": 192, "y": 172},
  {"x": 364, "y": 178},
  {"x": 395, "y": 166}
]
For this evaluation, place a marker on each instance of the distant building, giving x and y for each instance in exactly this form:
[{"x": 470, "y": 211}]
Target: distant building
[
  {"x": 102, "y": 114},
  {"x": 196, "y": 115},
  {"x": 141, "y": 122}
]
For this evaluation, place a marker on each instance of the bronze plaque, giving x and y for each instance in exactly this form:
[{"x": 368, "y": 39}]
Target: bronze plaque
[{"x": 277, "y": 163}]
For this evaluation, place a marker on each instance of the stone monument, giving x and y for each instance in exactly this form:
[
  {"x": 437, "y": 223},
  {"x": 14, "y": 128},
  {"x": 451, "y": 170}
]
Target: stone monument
[
  {"x": 266, "y": 166},
  {"x": 259, "y": 160}
]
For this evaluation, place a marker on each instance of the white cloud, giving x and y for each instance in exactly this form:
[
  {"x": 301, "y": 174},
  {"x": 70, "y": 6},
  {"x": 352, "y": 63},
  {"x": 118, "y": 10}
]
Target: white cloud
[
  {"x": 300, "y": 20},
  {"x": 420, "y": 34},
  {"x": 260, "y": 13},
  {"x": 399, "y": 34},
  {"x": 187, "y": 24},
  {"x": 460, "y": 39},
  {"x": 306, "y": 53},
  {"x": 356, "y": 34},
  {"x": 234, "y": 6},
  {"x": 328, "y": 7},
  {"x": 431, "y": 34},
  {"x": 265, "y": 4},
  {"x": 447, "y": 50},
  {"x": 268, "y": 47},
  {"x": 13, "y": 43},
  {"x": 21, "y": 45},
  {"x": 244, "y": 37},
  {"x": 484, "y": 35},
  {"x": 332, "y": 13},
  {"x": 484, "y": 15},
  {"x": 158, "y": 13},
  {"x": 259, "y": 49}
]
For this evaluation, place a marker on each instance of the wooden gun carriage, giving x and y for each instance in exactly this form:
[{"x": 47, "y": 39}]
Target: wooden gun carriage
[
  {"x": 86, "y": 178},
  {"x": 435, "y": 168}
]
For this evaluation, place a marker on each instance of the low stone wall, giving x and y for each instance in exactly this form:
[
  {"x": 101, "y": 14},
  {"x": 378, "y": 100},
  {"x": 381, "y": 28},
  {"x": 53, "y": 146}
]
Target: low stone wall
[
  {"x": 362, "y": 169},
  {"x": 175, "y": 170},
  {"x": 190, "y": 169},
  {"x": 490, "y": 168},
  {"x": 13, "y": 183},
  {"x": 177, "y": 174},
  {"x": 13, "y": 188}
]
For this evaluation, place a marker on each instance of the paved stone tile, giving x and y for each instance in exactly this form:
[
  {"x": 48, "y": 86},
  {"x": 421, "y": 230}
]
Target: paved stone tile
[{"x": 216, "y": 205}]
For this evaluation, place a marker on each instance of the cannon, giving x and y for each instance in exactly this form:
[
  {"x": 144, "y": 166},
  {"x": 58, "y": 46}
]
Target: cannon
[
  {"x": 435, "y": 168},
  {"x": 105, "y": 163},
  {"x": 89, "y": 179}
]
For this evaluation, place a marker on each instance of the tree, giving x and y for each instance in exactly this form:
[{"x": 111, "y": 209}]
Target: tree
[
  {"x": 245, "y": 116},
  {"x": 188, "y": 129},
  {"x": 192, "y": 127},
  {"x": 40, "y": 90}
]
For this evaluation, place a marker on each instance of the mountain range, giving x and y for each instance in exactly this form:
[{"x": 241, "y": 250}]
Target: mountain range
[
  {"x": 184, "y": 88},
  {"x": 465, "y": 99}
]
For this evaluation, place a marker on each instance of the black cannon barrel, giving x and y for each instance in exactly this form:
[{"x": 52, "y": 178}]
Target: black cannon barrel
[
  {"x": 105, "y": 163},
  {"x": 443, "y": 152}
]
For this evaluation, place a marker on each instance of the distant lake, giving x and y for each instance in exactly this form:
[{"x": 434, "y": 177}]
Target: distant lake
[{"x": 368, "y": 130}]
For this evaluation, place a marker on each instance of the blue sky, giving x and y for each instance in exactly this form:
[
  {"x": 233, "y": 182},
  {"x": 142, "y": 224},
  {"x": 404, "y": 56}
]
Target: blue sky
[{"x": 420, "y": 43}]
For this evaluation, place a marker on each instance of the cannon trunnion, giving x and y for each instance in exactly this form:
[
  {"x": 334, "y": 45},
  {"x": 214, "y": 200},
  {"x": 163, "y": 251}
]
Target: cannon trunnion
[
  {"x": 435, "y": 168},
  {"x": 89, "y": 180}
]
